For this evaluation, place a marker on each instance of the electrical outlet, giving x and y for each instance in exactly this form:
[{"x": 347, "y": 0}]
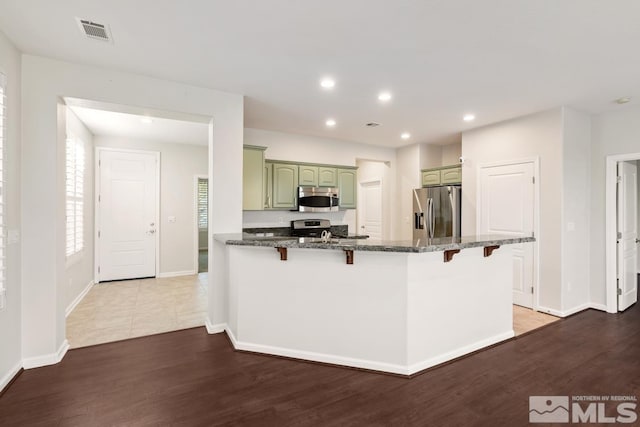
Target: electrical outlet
[{"x": 172, "y": 219}]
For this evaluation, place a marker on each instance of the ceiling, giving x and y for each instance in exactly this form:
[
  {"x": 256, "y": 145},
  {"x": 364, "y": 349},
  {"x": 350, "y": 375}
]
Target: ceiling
[
  {"x": 440, "y": 59},
  {"x": 138, "y": 127}
]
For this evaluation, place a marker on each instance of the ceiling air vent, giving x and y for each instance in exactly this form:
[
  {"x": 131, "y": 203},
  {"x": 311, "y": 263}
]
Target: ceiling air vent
[
  {"x": 372, "y": 124},
  {"x": 94, "y": 31}
]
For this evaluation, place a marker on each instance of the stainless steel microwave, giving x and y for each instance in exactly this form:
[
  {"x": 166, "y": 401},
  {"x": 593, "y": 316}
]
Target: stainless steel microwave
[{"x": 318, "y": 199}]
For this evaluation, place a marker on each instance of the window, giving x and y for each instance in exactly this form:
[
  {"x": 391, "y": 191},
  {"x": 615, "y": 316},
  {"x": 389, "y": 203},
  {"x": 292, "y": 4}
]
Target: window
[
  {"x": 75, "y": 196},
  {"x": 2, "y": 196},
  {"x": 203, "y": 203}
]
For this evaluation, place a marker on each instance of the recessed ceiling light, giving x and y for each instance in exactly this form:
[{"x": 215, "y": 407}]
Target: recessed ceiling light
[
  {"x": 330, "y": 122},
  {"x": 146, "y": 120},
  {"x": 469, "y": 117},
  {"x": 623, "y": 100},
  {"x": 405, "y": 135},
  {"x": 327, "y": 83},
  {"x": 384, "y": 96}
]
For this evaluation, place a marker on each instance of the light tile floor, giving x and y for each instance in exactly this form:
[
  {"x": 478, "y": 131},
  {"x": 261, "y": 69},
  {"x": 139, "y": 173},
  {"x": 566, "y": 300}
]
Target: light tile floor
[
  {"x": 115, "y": 311},
  {"x": 525, "y": 319}
]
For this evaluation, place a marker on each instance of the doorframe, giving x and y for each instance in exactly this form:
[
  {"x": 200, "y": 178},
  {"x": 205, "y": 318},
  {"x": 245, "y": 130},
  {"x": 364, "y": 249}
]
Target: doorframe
[
  {"x": 196, "y": 231},
  {"x": 359, "y": 203},
  {"x": 96, "y": 207},
  {"x": 611, "y": 209},
  {"x": 536, "y": 214}
]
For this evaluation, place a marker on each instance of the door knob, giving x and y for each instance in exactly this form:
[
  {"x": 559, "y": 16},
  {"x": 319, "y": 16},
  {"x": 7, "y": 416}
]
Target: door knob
[
  {"x": 152, "y": 231},
  {"x": 637, "y": 240}
]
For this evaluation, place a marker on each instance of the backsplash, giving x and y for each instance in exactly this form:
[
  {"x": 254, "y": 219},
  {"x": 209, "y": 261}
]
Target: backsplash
[{"x": 259, "y": 219}]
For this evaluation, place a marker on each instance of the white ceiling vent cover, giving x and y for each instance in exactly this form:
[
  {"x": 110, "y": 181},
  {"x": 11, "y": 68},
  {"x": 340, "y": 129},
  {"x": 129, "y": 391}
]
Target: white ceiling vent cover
[{"x": 95, "y": 31}]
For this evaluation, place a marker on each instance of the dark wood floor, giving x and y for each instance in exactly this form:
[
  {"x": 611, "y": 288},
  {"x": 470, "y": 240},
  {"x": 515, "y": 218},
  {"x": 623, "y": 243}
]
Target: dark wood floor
[{"x": 191, "y": 378}]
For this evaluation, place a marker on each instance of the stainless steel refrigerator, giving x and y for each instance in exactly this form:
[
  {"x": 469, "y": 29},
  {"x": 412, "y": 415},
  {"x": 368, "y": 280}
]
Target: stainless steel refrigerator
[{"x": 436, "y": 211}]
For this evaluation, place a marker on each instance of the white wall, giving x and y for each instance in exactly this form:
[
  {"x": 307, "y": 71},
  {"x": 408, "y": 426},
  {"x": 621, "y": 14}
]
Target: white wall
[
  {"x": 616, "y": 132},
  {"x": 179, "y": 164},
  {"x": 10, "y": 317},
  {"x": 451, "y": 154},
  {"x": 301, "y": 148},
  {"x": 430, "y": 156},
  {"x": 79, "y": 273},
  {"x": 576, "y": 169},
  {"x": 407, "y": 179},
  {"x": 44, "y": 81},
  {"x": 537, "y": 135}
]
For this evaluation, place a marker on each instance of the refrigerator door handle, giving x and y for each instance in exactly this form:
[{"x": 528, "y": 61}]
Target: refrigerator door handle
[{"x": 430, "y": 218}]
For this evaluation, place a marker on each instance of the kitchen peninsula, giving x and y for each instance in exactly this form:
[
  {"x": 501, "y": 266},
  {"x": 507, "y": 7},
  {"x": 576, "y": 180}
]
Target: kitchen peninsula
[{"x": 390, "y": 306}]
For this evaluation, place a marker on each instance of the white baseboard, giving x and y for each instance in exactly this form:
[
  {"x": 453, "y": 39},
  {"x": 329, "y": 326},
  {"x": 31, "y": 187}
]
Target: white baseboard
[
  {"x": 5, "y": 380},
  {"x": 47, "y": 359},
  {"x": 215, "y": 329},
  {"x": 363, "y": 363},
  {"x": 79, "y": 298},
  {"x": 420, "y": 366},
  {"x": 177, "y": 273},
  {"x": 601, "y": 307},
  {"x": 574, "y": 310}
]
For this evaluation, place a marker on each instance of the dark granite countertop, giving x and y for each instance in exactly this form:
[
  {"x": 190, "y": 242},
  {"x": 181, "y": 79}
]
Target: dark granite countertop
[{"x": 412, "y": 246}]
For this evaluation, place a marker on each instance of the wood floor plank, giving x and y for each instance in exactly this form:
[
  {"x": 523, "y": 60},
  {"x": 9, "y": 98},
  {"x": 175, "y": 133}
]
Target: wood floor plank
[{"x": 191, "y": 378}]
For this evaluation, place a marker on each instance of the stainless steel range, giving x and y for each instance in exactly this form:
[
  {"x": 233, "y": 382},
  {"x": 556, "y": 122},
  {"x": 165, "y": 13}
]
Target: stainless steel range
[{"x": 310, "y": 227}]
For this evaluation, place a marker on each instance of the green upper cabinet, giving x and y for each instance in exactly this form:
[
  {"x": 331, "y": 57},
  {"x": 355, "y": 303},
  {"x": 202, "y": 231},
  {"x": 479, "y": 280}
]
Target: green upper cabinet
[
  {"x": 252, "y": 178},
  {"x": 430, "y": 178},
  {"x": 308, "y": 175},
  {"x": 285, "y": 185},
  {"x": 347, "y": 186},
  {"x": 451, "y": 175},
  {"x": 327, "y": 177},
  {"x": 268, "y": 184},
  {"x": 442, "y": 176}
]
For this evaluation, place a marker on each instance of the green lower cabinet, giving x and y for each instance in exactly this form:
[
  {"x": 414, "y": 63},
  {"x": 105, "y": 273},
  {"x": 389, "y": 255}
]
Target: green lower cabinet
[
  {"x": 347, "y": 182},
  {"x": 308, "y": 175},
  {"x": 285, "y": 185}
]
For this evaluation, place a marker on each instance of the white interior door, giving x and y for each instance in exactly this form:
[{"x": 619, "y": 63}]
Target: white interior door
[
  {"x": 627, "y": 225},
  {"x": 507, "y": 206},
  {"x": 370, "y": 213},
  {"x": 127, "y": 214}
]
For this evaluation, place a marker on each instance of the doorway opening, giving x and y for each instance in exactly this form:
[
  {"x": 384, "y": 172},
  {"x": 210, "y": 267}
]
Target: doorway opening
[
  {"x": 137, "y": 222},
  {"x": 622, "y": 225},
  {"x": 373, "y": 207}
]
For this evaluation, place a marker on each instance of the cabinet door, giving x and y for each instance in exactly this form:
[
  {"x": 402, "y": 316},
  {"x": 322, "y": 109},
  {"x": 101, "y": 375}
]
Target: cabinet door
[
  {"x": 308, "y": 175},
  {"x": 285, "y": 185},
  {"x": 268, "y": 185},
  {"x": 252, "y": 179},
  {"x": 430, "y": 178},
  {"x": 347, "y": 186},
  {"x": 327, "y": 177},
  {"x": 451, "y": 176}
]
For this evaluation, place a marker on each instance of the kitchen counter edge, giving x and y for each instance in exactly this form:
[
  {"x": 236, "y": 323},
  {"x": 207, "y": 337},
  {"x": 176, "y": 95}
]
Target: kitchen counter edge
[{"x": 436, "y": 245}]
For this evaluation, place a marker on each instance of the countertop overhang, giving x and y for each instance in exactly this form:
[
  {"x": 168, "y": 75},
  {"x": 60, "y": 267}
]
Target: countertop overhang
[{"x": 411, "y": 246}]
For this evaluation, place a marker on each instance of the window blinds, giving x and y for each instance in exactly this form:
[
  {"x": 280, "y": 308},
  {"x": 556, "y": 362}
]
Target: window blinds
[
  {"x": 203, "y": 203},
  {"x": 74, "y": 187}
]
